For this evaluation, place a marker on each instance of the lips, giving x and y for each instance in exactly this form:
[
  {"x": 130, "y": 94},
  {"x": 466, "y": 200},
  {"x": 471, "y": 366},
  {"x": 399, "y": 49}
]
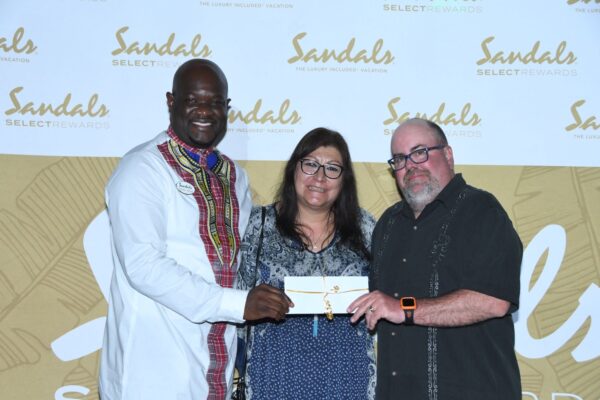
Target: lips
[
  {"x": 316, "y": 189},
  {"x": 415, "y": 174},
  {"x": 203, "y": 123}
]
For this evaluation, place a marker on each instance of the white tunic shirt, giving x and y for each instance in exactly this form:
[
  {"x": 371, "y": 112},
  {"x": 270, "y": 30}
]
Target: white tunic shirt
[{"x": 163, "y": 296}]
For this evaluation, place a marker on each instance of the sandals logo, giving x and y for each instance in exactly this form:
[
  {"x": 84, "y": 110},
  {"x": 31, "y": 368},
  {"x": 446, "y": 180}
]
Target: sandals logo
[
  {"x": 533, "y": 62},
  {"x": 63, "y": 109},
  {"x": 571, "y": 2},
  {"x": 531, "y": 57},
  {"x": 259, "y": 116},
  {"x": 347, "y": 55},
  {"x": 579, "y": 122},
  {"x": 16, "y": 45},
  {"x": 435, "y": 6},
  {"x": 168, "y": 48},
  {"x": 67, "y": 108},
  {"x": 585, "y": 6},
  {"x": 464, "y": 118},
  {"x": 549, "y": 247}
]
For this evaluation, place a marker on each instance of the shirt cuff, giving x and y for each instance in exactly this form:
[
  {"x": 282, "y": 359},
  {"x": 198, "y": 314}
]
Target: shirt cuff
[{"x": 233, "y": 304}]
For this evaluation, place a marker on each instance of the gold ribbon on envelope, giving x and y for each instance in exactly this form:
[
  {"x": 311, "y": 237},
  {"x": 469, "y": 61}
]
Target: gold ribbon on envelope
[{"x": 334, "y": 290}]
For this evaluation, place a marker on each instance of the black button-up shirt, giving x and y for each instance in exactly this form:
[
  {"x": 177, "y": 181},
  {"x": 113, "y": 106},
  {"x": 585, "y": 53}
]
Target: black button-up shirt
[{"x": 479, "y": 251}]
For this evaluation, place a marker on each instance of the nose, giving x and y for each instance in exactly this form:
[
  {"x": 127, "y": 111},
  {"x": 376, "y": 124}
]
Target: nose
[
  {"x": 320, "y": 175},
  {"x": 203, "y": 109}
]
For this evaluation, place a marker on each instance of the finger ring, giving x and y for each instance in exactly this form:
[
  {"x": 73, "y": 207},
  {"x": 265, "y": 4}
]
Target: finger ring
[{"x": 371, "y": 309}]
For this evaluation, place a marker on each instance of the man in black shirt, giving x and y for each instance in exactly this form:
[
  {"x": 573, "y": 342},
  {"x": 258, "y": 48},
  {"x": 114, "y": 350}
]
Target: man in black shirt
[{"x": 444, "y": 281}]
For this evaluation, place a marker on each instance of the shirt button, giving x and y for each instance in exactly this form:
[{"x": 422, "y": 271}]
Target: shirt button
[
  {"x": 415, "y": 228},
  {"x": 404, "y": 260},
  {"x": 396, "y": 295},
  {"x": 394, "y": 373},
  {"x": 393, "y": 333}
]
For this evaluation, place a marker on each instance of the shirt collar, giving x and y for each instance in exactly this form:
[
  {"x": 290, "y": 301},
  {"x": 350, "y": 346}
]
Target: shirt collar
[
  {"x": 446, "y": 197},
  {"x": 448, "y": 194},
  {"x": 203, "y": 156}
]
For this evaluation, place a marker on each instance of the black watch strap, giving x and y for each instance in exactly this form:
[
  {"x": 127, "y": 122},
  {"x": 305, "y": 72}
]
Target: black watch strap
[{"x": 408, "y": 305}]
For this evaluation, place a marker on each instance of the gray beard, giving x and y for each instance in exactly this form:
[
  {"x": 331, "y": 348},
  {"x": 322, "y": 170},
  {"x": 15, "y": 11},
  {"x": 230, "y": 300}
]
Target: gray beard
[{"x": 418, "y": 201}]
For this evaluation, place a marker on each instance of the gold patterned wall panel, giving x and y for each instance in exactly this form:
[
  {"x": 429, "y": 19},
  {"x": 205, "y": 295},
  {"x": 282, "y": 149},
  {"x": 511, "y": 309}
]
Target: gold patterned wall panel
[{"x": 47, "y": 287}]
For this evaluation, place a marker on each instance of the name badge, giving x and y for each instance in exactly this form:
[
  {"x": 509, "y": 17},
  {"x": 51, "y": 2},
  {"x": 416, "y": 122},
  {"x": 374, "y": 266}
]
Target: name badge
[{"x": 185, "y": 187}]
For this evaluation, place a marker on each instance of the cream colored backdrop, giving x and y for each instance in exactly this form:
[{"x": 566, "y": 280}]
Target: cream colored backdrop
[{"x": 514, "y": 84}]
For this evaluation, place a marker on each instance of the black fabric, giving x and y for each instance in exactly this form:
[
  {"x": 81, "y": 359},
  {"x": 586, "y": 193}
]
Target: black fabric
[{"x": 483, "y": 253}]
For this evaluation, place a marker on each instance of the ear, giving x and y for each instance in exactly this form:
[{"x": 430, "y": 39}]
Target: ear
[
  {"x": 170, "y": 101},
  {"x": 449, "y": 156}
]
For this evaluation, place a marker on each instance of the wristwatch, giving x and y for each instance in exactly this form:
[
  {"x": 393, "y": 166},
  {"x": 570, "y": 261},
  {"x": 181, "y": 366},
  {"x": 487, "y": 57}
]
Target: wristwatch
[{"x": 408, "y": 305}]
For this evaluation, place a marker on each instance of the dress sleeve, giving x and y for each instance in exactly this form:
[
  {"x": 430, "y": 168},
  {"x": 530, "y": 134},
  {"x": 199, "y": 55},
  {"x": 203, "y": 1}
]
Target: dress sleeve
[
  {"x": 376, "y": 244},
  {"x": 246, "y": 278},
  {"x": 137, "y": 201},
  {"x": 367, "y": 224}
]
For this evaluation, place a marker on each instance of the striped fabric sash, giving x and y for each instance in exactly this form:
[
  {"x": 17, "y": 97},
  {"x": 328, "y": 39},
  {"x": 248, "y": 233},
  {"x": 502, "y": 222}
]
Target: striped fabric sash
[{"x": 213, "y": 176}]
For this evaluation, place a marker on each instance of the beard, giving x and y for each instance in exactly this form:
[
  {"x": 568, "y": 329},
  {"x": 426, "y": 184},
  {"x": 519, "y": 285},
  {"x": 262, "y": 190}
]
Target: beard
[{"x": 427, "y": 192}]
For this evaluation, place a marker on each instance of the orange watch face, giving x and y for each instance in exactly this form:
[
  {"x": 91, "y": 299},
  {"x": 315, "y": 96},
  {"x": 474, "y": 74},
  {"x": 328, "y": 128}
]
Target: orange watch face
[{"x": 408, "y": 303}]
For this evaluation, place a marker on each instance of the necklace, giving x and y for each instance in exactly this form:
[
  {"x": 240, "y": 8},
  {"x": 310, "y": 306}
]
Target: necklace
[{"x": 319, "y": 243}]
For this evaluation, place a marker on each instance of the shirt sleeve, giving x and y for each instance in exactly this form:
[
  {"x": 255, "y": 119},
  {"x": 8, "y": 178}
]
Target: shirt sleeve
[
  {"x": 244, "y": 196},
  {"x": 495, "y": 253},
  {"x": 137, "y": 198}
]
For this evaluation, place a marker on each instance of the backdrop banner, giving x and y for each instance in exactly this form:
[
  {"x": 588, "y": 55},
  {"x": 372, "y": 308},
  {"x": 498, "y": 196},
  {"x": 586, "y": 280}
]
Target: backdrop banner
[{"x": 513, "y": 84}]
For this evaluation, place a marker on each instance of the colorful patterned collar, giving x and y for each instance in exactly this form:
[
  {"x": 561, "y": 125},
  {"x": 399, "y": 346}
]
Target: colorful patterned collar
[{"x": 205, "y": 157}]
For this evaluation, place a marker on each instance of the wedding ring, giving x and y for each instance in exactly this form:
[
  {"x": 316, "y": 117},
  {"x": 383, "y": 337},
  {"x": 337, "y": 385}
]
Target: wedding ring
[{"x": 371, "y": 309}]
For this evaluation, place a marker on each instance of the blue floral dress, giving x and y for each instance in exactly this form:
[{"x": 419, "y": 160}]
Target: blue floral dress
[{"x": 305, "y": 356}]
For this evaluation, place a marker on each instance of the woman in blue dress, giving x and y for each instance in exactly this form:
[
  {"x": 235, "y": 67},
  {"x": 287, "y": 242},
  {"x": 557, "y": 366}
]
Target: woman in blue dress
[{"x": 314, "y": 228}]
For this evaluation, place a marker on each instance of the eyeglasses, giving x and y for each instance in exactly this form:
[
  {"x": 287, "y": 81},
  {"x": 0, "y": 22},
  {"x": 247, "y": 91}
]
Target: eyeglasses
[
  {"x": 418, "y": 156},
  {"x": 311, "y": 167}
]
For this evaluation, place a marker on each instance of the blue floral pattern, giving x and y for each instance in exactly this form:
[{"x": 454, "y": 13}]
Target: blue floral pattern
[{"x": 286, "y": 360}]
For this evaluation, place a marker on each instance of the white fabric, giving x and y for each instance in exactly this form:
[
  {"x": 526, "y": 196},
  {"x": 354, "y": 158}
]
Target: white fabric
[{"x": 163, "y": 295}]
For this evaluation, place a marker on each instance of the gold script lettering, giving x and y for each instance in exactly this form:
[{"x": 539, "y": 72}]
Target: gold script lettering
[
  {"x": 438, "y": 117},
  {"x": 527, "y": 58},
  {"x": 346, "y": 55},
  {"x": 589, "y": 123},
  {"x": 164, "y": 49},
  {"x": 27, "y": 48},
  {"x": 64, "y": 108},
  {"x": 268, "y": 116},
  {"x": 582, "y": 1}
]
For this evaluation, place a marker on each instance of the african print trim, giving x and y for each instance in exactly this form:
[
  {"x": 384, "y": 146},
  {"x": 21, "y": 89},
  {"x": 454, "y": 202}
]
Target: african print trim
[{"x": 218, "y": 229}]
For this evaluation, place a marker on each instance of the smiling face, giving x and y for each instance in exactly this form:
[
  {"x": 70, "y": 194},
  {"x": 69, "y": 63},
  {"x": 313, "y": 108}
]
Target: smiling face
[
  {"x": 317, "y": 192},
  {"x": 198, "y": 104},
  {"x": 421, "y": 183}
]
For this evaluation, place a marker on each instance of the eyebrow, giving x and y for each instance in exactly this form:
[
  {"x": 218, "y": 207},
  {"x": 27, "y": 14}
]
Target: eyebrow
[
  {"x": 417, "y": 146},
  {"x": 326, "y": 162},
  {"x": 414, "y": 148}
]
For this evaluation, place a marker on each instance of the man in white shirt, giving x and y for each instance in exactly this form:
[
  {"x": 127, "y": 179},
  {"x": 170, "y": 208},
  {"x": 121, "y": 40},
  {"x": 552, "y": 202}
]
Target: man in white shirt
[{"x": 177, "y": 209}]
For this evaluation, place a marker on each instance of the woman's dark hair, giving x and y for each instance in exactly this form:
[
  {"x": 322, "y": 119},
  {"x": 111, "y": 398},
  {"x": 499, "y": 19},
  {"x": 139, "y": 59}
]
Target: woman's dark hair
[{"x": 345, "y": 209}]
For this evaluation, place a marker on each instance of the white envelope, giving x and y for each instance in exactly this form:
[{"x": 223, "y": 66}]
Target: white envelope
[{"x": 319, "y": 294}]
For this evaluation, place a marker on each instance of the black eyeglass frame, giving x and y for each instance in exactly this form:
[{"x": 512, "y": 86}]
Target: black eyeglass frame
[
  {"x": 302, "y": 160},
  {"x": 409, "y": 156}
]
